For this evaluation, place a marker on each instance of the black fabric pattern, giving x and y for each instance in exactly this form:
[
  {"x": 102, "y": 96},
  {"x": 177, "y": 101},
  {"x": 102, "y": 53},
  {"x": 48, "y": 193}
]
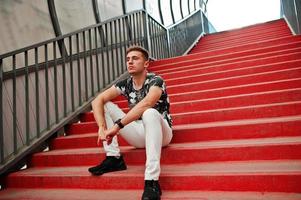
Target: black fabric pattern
[{"x": 135, "y": 96}]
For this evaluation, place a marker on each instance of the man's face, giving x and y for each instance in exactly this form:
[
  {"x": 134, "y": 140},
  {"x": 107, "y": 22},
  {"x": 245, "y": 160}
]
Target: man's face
[{"x": 136, "y": 63}]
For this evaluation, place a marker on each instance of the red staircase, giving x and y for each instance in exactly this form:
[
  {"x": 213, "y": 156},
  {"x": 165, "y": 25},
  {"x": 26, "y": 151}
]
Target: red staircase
[{"x": 236, "y": 105}]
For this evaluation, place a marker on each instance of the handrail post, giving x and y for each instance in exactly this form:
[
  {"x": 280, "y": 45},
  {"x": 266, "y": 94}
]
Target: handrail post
[
  {"x": 146, "y": 33},
  {"x": 1, "y": 114},
  {"x": 168, "y": 44}
]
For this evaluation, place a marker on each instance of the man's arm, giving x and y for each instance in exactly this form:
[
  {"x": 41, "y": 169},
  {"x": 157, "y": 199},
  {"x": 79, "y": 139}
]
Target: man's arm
[
  {"x": 98, "y": 109},
  {"x": 135, "y": 113}
]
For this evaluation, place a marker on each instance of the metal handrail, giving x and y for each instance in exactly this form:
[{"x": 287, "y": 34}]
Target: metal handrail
[{"x": 58, "y": 85}]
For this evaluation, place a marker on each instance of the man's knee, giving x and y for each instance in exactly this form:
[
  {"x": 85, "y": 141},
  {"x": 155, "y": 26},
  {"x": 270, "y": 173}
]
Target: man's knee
[
  {"x": 150, "y": 113},
  {"x": 108, "y": 106}
]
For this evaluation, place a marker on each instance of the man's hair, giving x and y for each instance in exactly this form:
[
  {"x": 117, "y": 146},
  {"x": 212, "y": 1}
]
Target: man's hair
[{"x": 140, "y": 49}]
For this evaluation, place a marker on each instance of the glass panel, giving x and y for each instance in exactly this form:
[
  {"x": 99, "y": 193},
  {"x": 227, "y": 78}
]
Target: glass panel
[
  {"x": 109, "y": 9},
  {"x": 26, "y": 22},
  {"x": 131, "y": 5},
  {"x": 152, "y": 8},
  {"x": 74, "y": 14},
  {"x": 176, "y": 10},
  {"x": 185, "y": 7},
  {"x": 167, "y": 18}
]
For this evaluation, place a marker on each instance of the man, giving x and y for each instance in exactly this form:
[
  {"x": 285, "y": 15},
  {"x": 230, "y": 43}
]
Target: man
[{"x": 147, "y": 124}]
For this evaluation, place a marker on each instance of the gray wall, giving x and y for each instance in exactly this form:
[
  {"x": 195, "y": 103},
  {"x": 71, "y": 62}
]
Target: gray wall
[{"x": 26, "y": 22}]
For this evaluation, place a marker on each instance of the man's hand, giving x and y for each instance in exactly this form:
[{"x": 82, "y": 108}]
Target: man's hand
[
  {"x": 101, "y": 135},
  {"x": 110, "y": 133}
]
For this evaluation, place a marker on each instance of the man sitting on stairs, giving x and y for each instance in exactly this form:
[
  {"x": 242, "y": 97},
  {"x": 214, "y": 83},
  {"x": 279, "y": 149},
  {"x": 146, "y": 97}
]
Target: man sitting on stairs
[{"x": 147, "y": 124}]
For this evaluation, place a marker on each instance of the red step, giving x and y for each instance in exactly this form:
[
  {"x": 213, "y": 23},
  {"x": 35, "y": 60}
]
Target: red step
[
  {"x": 225, "y": 92},
  {"x": 235, "y": 101},
  {"x": 93, "y": 194},
  {"x": 220, "y": 114},
  {"x": 268, "y": 44},
  {"x": 245, "y": 112},
  {"x": 231, "y": 65},
  {"x": 239, "y": 129},
  {"x": 272, "y": 25},
  {"x": 261, "y": 176},
  {"x": 196, "y": 152},
  {"x": 291, "y": 73},
  {"x": 235, "y": 55}
]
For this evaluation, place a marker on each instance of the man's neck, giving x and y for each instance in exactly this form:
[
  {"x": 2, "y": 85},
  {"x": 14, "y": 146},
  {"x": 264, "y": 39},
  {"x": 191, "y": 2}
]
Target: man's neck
[{"x": 138, "y": 80}]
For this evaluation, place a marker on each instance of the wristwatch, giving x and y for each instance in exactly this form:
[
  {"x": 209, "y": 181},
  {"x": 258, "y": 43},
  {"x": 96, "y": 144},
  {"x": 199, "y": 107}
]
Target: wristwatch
[{"x": 118, "y": 122}]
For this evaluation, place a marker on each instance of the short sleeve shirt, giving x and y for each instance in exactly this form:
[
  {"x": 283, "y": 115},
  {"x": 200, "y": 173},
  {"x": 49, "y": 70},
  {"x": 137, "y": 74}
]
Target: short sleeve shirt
[{"x": 133, "y": 96}]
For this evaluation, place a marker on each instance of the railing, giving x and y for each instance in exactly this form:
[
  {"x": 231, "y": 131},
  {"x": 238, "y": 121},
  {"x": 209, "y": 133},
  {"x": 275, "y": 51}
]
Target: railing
[
  {"x": 291, "y": 10},
  {"x": 45, "y": 86},
  {"x": 184, "y": 33}
]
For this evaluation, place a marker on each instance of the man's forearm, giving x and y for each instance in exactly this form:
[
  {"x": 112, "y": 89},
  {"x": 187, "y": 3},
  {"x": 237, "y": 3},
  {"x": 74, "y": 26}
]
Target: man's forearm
[
  {"x": 136, "y": 112},
  {"x": 98, "y": 112}
]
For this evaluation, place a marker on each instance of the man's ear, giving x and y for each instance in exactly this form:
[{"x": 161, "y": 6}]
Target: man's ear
[{"x": 146, "y": 64}]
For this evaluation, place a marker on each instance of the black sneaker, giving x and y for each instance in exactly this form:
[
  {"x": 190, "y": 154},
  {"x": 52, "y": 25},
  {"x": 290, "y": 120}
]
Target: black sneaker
[
  {"x": 110, "y": 164},
  {"x": 152, "y": 190}
]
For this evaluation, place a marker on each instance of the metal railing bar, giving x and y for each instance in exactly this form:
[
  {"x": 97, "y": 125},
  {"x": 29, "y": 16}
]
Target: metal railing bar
[
  {"x": 124, "y": 38},
  {"x": 56, "y": 103},
  {"x": 97, "y": 61},
  {"x": 116, "y": 47},
  {"x": 71, "y": 74},
  {"x": 47, "y": 86},
  {"x": 1, "y": 114},
  {"x": 107, "y": 54},
  {"x": 151, "y": 33},
  {"x": 112, "y": 53},
  {"x": 64, "y": 81},
  {"x": 15, "y": 107},
  {"x": 37, "y": 85},
  {"x": 120, "y": 46},
  {"x": 85, "y": 66},
  {"x": 132, "y": 29},
  {"x": 135, "y": 26},
  {"x": 91, "y": 61},
  {"x": 78, "y": 70},
  {"x": 159, "y": 42},
  {"x": 103, "y": 68},
  {"x": 26, "y": 99}
]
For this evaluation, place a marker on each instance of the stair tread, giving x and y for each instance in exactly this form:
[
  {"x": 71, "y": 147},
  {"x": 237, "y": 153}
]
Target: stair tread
[
  {"x": 206, "y": 125},
  {"x": 226, "y": 122},
  {"x": 98, "y": 194},
  {"x": 292, "y": 140},
  {"x": 229, "y": 50},
  {"x": 232, "y": 56},
  {"x": 274, "y": 167},
  {"x": 256, "y": 88}
]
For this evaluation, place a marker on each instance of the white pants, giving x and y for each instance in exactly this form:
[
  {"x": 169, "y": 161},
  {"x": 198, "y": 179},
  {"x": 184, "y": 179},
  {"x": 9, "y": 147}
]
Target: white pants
[{"x": 151, "y": 133}]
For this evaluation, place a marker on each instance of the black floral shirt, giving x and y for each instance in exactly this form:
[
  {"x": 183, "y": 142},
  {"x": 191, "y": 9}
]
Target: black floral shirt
[{"x": 133, "y": 96}]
